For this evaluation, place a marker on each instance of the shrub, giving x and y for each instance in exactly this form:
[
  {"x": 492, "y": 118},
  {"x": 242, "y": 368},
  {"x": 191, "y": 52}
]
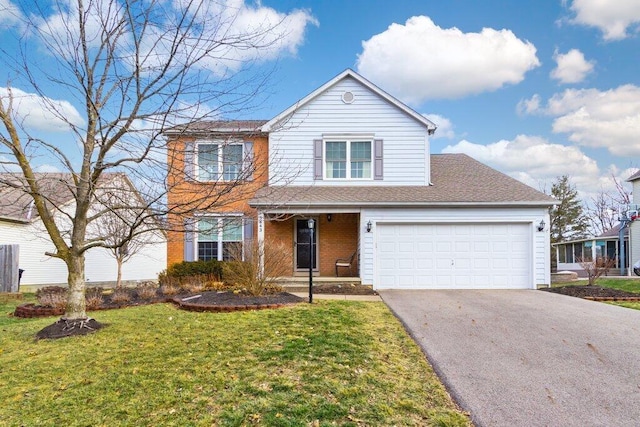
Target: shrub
[
  {"x": 194, "y": 284},
  {"x": 94, "y": 298},
  {"x": 170, "y": 286},
  {"x": 246, "y": 275},
  {"x": 597, "y": 268},
  {"x": 121, "y": 295},
  {"x": 147, "y": 290},
  {"x": 212, "y": 270},
  {"x": 52, "y": 296}
]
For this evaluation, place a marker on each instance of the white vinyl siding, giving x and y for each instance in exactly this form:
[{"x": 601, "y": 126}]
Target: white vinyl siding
[
  {"x": 406, "y": 145},
  {"x": 100, "y": 266},
  {"x": 539, "y": 268},
  {"x": 634, "y": 228}
]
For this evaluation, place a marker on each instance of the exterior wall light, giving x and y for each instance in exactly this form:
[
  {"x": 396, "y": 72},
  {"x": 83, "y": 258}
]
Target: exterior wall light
[
  {"x": 541, "y": 225},
  {"x": 369, "y": 225}
]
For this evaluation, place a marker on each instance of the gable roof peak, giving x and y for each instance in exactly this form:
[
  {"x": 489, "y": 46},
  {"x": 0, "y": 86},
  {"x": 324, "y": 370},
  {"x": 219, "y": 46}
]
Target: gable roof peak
[
  {"x": 271, "y": 124},
  {"x": 634, "y": 177}
]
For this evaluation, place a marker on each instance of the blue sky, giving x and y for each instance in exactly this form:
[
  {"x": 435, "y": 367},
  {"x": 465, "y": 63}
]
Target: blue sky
[
  {"x": 536, "y": 89},
  {"x": 590, "y": 130}
]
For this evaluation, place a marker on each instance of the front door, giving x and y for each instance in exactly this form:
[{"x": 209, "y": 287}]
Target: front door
[{"x": 302, "y": 244}]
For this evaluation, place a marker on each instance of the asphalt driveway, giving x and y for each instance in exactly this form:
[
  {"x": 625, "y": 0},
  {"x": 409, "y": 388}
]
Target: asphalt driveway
[{"x": 529, "y": 358}]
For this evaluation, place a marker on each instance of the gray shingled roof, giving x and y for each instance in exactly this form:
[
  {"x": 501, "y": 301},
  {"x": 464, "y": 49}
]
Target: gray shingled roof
[
  {"x": 218, "y": 126},
  {"x": 15, "y": 201},
  {"x": 634, "y": 176},
  {"x": 613, "y": 232},
  {"x": 457, "y": 180}
]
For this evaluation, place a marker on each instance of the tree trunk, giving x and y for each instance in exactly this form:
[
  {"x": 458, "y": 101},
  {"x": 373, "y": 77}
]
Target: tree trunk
[
  {"x": 119, "y": 277},
  {"x": 76, "y": 303}
]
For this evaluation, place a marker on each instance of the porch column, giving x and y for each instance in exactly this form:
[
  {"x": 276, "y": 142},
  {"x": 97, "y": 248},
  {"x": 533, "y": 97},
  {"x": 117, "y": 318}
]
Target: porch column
[{"x": 261, "y": 243}]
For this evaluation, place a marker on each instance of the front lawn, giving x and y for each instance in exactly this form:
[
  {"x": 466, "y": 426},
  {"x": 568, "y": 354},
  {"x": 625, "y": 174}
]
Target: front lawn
[
  {"x": 338, "y": 362},
  {"x": 629, "y": 285}
]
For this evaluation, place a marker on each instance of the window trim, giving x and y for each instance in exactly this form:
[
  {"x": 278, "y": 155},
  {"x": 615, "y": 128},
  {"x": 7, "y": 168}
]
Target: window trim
[
  {"x": 220, "y": 173},
  {"x": 220, "y": 241},
  {"x": 348, "y": 139}
]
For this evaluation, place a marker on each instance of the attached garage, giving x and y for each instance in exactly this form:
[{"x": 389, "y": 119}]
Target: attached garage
[{"x": 454, "y": 256}]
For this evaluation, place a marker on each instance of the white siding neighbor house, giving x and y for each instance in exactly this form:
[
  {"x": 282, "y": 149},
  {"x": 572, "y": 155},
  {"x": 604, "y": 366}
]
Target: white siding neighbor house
[
  {"x": 21, "y": 225},
  {"x": 634, "y": 227},
  {"x": 411, "y": 219}
]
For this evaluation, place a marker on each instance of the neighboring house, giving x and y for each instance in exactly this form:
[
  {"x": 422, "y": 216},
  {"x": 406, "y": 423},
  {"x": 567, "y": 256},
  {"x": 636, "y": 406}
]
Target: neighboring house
[
  {"x": 570, "y": 253},
  {"x": 608, "y": 243},
  {"x": 358, "y": 162},
  {"x": 21, "y": 225},
  {"x": 634, "y": 227}
]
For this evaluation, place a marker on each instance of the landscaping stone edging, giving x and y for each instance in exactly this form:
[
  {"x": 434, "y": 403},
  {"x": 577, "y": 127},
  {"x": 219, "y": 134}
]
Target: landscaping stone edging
[{"x": 30, "y": 310}]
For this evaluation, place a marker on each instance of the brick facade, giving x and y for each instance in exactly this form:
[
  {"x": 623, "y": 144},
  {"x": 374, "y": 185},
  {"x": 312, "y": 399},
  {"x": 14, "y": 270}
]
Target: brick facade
[
  {"x": 338, "y": 238},
  {"x": 188, "y": 196}
]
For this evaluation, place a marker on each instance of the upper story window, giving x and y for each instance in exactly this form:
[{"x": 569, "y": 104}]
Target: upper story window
[
  {"x": 219, "y": 161},
  {"x": 348, "y": 159}
]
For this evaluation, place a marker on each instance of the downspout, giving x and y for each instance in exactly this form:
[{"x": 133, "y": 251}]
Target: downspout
[{"x": 623, "y": 259}]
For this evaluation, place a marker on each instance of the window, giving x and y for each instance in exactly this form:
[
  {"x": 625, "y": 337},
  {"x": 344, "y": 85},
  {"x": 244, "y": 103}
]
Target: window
[
  {"x": 219, "y": 161},
  {"x": 348, "y": 159},
  {"x": 217, "y": 236},
  {"x": 562, "y": 256}
]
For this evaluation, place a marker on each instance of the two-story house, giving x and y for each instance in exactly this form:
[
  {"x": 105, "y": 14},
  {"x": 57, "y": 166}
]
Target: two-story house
[{"x": 357, "y": 161}]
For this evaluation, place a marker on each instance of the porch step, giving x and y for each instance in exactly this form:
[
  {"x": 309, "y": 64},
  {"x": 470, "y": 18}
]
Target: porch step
[{"x": 301, "y": 284}]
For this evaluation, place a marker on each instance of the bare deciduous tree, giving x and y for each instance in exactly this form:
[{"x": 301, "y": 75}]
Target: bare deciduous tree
[
  {"x": 596, "y": 268},
  {"x": 130, "y": 69},
  {"x": 604, "y": 208}
]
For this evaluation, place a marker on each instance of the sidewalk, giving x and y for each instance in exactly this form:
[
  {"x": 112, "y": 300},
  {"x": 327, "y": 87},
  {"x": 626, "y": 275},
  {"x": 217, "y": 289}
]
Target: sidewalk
[{"x": 305, "y": 295}]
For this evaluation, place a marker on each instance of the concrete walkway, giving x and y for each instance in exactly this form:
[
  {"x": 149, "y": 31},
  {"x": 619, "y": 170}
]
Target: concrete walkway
[
  {"x": 529, "y": 358},
  {"x": 305, "y": 295}
]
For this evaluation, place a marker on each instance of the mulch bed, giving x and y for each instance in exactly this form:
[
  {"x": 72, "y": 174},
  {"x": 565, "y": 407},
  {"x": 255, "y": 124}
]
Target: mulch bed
[
  {"x": 219, "y": 301},
  {"x": 67, "y": 328},
  {"x": 594, "y": 292},
  {"x": 231, "y": 301}
]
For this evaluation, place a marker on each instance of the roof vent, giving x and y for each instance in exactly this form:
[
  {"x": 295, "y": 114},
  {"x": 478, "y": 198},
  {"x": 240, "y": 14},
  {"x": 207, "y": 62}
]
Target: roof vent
[{"x": 348, "y": 97}]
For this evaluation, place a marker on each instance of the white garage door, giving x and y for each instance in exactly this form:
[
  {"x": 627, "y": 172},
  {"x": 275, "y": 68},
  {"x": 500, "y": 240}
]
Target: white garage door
[{"x": 453, "y": 256}]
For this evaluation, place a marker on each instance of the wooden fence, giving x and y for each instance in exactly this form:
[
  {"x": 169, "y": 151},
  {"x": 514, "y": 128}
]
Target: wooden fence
[{"x": 9, "y": 269}]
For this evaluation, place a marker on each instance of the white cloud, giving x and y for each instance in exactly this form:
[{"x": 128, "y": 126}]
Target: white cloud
[
  {"x": 529, "y": 106},
  {"x": 612, "y": 17},
  {"x": 220, "y": 36},
  {"x": 445, "y": 127},
  {"x": 537, "y": 162},
  {"x": 9, "y": 14},
  {"x": 420, "y": 60},
  {"x": 34, "y": 112},
  {"x": 571, "y": 67},
  {"x": 594, "y": 118}
]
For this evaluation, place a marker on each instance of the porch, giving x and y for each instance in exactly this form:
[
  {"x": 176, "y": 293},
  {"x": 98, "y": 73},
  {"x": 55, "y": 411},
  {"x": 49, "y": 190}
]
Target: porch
[{"x": 335, "y": 239}]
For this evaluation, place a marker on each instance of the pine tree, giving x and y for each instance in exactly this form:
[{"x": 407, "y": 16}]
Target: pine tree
[{"x": 568, "y": 220}]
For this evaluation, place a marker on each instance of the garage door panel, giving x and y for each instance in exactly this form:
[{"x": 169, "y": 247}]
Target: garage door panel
[{"x": 454, "y": 256}]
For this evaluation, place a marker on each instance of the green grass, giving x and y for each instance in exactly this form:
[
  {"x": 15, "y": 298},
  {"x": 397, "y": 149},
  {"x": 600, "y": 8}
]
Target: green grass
[
  {"x": 629, "y": 285},
  {"x": 628, "y": 304},
  {"x": 338, "y": 362}
]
